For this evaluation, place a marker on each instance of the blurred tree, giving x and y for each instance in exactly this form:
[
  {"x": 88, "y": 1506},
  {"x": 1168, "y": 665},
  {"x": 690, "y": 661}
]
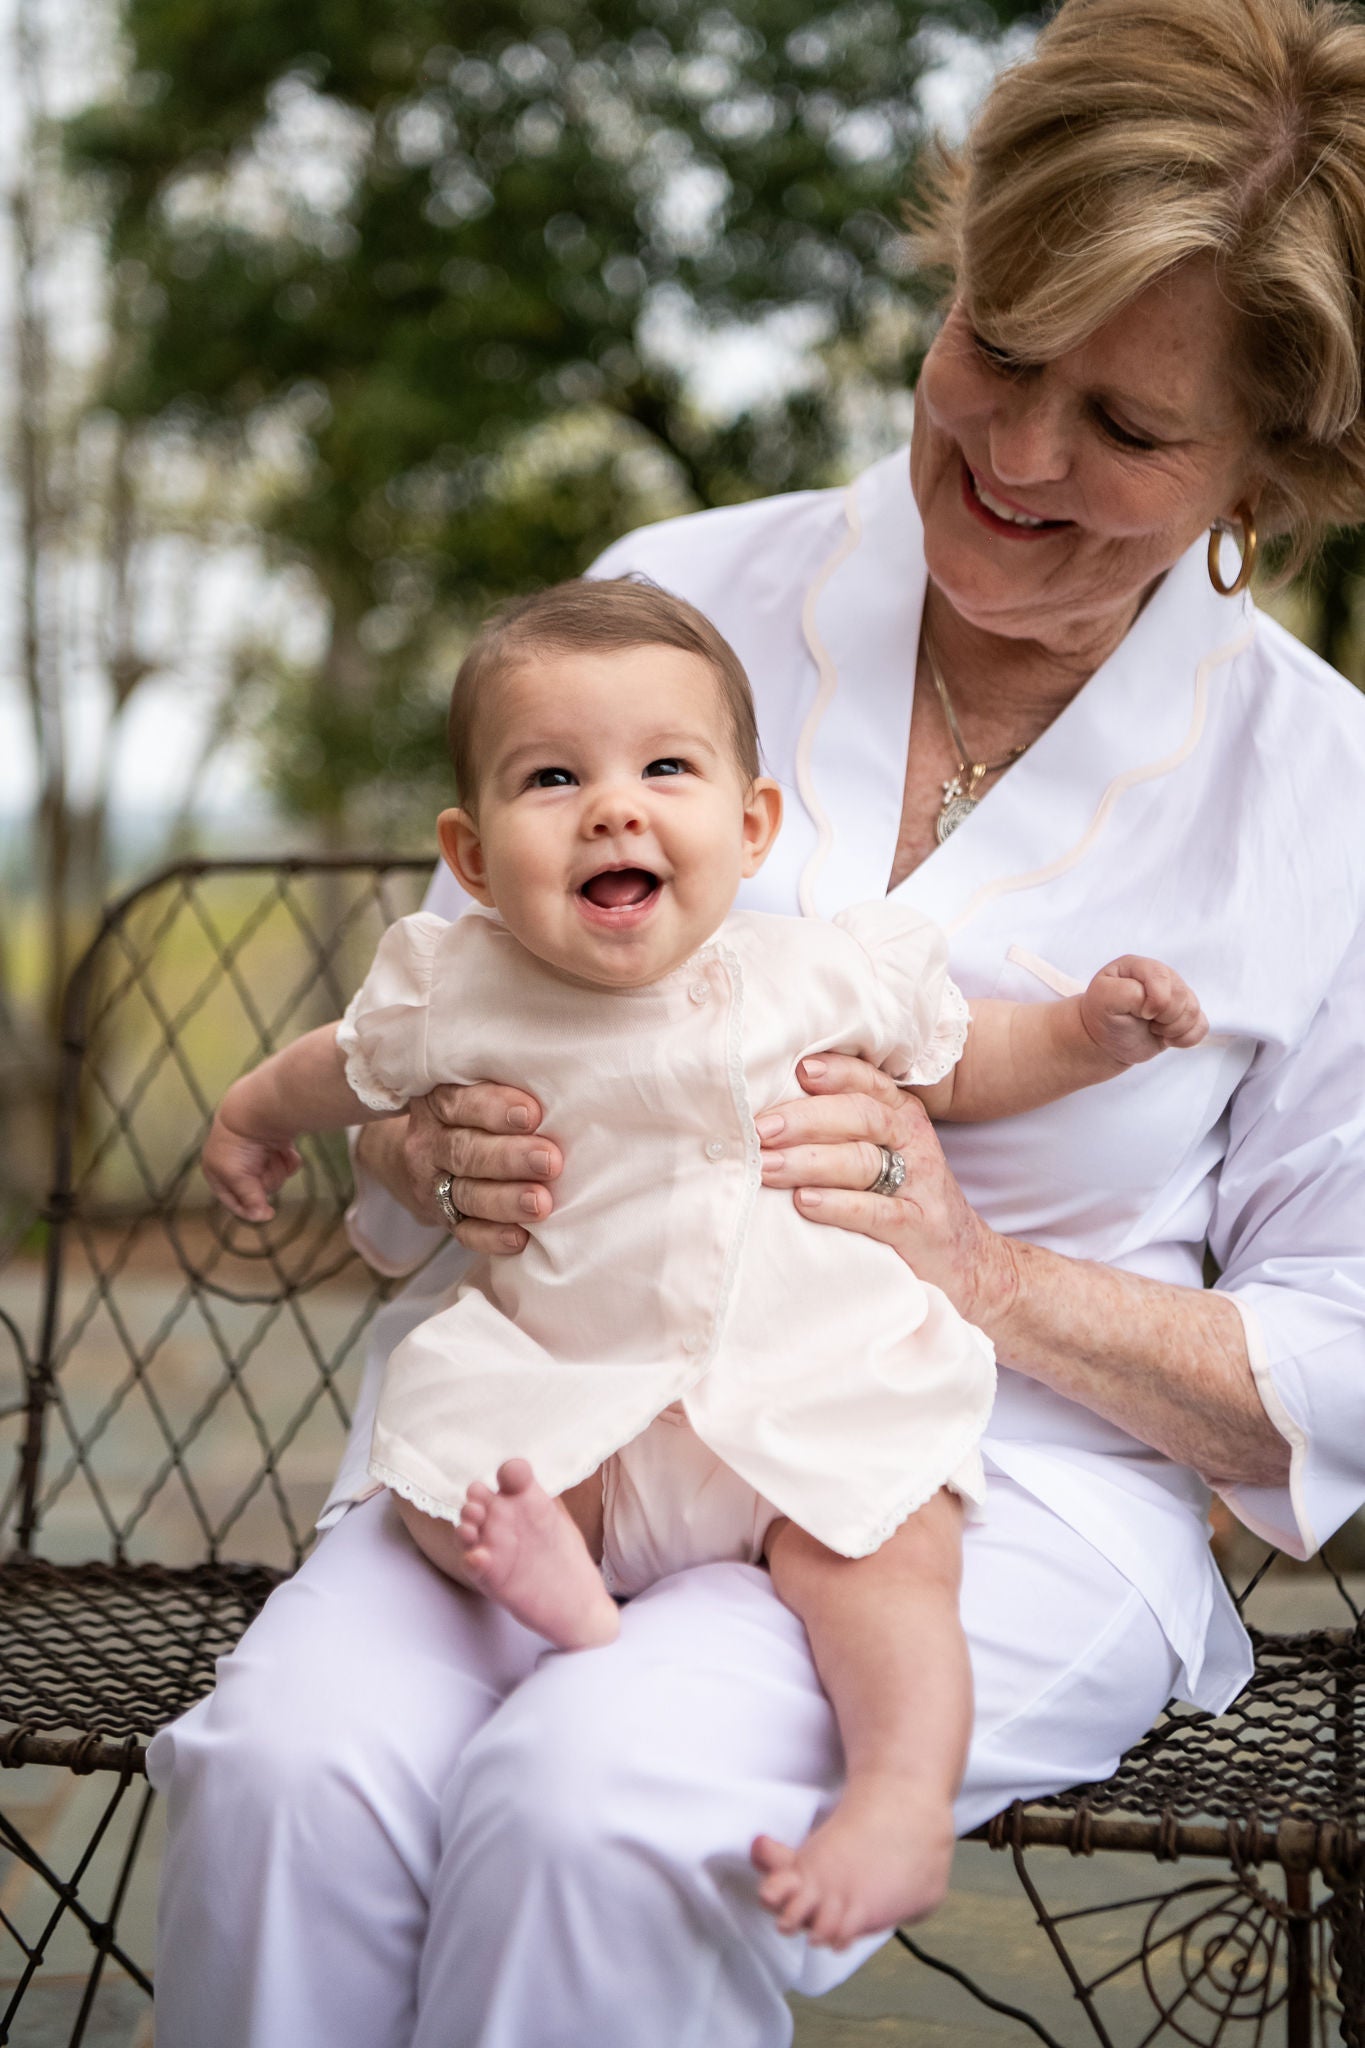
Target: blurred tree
[
  {"x": 464, "y": 267},
  {"x": 87, "y": 522}
]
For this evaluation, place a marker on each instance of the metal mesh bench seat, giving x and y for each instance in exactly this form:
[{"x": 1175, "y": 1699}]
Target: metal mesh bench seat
[
  {"x": 97, "y": 1657},
  {"x": 182, "y": 1391}
]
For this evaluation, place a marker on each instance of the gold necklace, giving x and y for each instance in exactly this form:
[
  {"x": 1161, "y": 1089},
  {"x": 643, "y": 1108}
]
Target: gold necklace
[{"x": 961, "y": 792}]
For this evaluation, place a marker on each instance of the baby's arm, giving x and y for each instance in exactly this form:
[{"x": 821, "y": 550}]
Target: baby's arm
[
  {"x": 250, "y": 1149},
  {"x": 1020, "y": 1055}
]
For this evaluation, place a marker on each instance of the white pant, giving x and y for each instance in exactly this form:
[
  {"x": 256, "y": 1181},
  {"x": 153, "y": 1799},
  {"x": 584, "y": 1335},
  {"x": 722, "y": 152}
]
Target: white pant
[{"x": 401, "y": 1822}]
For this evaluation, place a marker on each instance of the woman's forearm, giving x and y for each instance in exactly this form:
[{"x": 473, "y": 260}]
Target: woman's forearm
[{"x": 1168, "y": 1364}]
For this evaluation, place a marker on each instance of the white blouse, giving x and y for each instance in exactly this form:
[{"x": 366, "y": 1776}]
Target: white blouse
[
  {"x": 824, "y": 1373},
  {"x": 1200, "y": 801}
]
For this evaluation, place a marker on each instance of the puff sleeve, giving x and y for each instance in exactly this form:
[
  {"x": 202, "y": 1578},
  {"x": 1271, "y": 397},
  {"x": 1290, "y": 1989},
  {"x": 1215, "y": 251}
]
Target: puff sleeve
[
  {"x": 922, "y": 1019},
  {"x": 1288, "y": 1231},
  {"x": 383, "y": 1035}
]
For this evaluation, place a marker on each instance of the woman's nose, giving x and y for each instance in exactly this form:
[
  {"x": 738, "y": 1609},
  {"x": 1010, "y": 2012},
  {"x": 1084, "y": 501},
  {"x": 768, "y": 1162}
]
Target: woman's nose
[{"x": 1028, "y": 439}]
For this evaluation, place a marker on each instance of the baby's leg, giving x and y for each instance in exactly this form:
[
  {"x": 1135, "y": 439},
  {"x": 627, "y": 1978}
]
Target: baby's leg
[
  {"x": 537, "y": 1557},
  {"x": 888, "y": 1645}
]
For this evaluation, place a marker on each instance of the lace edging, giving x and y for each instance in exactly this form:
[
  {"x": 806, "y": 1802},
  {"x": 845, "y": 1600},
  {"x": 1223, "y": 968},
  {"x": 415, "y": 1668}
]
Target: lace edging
[
  {"x": 911, "y": 1502},
  {"x": 947, "y": 1043},
  {"x": 359, "y": 1078},
  {"x": 427, "y": 1502}
]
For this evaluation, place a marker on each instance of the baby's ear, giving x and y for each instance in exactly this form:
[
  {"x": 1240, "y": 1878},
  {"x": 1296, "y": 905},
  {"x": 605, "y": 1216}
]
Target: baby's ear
[
  {"x": 462, "y": 851},
  {"x": 762, "y": 821}
]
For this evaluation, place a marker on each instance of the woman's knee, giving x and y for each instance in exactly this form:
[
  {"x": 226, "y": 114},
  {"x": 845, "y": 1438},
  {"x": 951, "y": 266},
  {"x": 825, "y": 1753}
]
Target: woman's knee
[
  {"x": 547, "y": 1788},
  {"x": 257, "y": 1741}
]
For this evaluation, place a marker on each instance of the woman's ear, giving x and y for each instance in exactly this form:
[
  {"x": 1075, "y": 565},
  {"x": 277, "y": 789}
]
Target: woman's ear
[
  {"x": 762, "y": 821},
  {"x": 462, "y": 851}
]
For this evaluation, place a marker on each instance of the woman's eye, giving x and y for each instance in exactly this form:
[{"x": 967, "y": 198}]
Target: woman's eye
[
  {"x": 669, "y": 765},
  {"x": 551, "y": 778},
  {"x": 1124, "y": 438},
  {"x": 998, "y": 359}
]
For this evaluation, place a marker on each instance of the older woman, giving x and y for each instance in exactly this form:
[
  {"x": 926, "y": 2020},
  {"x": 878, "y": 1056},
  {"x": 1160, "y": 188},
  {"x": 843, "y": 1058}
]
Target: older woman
[{"x": 1019, "y": 679}]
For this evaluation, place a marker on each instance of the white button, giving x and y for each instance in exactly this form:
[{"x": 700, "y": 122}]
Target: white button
[
  {"x": 715, "y": 1150},
  {"x": 700, "y": 991},
  {"x": 692, "y": 1345}
]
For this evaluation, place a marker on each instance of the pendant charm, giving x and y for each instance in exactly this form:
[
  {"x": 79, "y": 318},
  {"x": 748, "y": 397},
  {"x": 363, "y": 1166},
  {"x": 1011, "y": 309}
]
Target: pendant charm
[
  {"x": 956, "y": 807},
  {"x": 958, "y": 803}
]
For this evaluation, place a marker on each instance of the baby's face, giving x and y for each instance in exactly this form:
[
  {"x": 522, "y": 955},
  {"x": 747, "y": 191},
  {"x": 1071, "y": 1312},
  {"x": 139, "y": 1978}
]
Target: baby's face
[{"x": 613, "y": 825}]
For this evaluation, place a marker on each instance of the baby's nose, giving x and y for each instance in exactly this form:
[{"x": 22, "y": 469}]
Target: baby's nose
[{"x": 617, "y": 810}]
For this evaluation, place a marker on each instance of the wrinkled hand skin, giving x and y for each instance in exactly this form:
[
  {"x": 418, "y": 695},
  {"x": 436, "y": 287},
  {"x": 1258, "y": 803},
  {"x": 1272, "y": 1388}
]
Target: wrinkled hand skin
[
  {"x": 487, "y": 1137},
  {"x": 1168, "y": 1364},
  {"x": 826, "y": 1149}
]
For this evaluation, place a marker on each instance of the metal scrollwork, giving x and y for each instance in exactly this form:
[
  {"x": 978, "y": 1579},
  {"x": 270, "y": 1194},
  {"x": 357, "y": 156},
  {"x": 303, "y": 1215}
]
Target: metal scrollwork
[{"x": 1225, "y": 1959}]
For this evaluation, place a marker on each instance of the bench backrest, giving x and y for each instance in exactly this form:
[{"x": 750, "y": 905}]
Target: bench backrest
[{"x": 188, "y": 1390}]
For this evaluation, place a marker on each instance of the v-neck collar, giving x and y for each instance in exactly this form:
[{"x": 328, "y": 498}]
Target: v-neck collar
[{"x": 1141, "y": 714}]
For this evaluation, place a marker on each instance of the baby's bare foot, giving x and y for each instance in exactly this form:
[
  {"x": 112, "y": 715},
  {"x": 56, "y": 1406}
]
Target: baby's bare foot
[
  {"x": 522, "y": 1550},
  {"x": 881, "y": 1859}
]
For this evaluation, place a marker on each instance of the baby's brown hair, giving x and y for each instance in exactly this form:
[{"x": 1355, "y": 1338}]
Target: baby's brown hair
[{"x": 593, "y": 615}]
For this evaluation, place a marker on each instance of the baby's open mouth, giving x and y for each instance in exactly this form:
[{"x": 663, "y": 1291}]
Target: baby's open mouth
[{"x": 619, "y": 888}]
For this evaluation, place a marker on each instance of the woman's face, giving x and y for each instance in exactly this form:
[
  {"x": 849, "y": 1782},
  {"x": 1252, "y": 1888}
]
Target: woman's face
[{"x": 1053, "y": 495}]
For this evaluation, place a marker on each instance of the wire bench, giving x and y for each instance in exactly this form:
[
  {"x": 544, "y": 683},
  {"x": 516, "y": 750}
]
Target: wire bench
[{"x": 182, "y": 1390}]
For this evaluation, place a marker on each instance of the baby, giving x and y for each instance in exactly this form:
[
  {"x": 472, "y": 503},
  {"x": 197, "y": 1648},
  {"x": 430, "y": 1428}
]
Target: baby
[{"x": 678, "y": 1370}]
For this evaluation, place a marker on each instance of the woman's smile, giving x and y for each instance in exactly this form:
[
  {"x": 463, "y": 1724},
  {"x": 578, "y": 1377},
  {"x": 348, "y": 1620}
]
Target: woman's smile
[{"x": 999, "y": 514}]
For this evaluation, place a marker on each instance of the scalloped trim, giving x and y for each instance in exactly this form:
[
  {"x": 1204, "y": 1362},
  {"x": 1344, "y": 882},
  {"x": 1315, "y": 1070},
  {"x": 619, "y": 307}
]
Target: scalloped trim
[
  {"x": 910, "y": 1502},
  {"x": 359, "y": 1077},
  {"x": 948, "y": 1042},
  {"x": 418, "y": 1496}
]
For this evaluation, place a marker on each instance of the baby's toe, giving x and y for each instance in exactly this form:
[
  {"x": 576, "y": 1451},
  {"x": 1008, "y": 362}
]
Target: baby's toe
[
  {"x": 778, "y": 1888},
  {"x": 827, "y": 1919},
  {"x": 799, "y": 1909},
  {"x": 852, "y": 1925},
  {"x": 767, "y": 1854}
]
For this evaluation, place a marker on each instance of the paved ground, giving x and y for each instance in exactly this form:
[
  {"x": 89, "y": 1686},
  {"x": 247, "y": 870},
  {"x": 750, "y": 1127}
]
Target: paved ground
[{"x": 986, "y": 1927}]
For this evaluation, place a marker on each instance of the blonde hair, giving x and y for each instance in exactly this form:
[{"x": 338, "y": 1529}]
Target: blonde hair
[
  {"x": 592, "y": 615},
  {"x": 1142, "y": 134}
]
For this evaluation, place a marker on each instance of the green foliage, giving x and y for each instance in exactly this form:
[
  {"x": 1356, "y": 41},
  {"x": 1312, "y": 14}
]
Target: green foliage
[{"x": 411, "y": 236}]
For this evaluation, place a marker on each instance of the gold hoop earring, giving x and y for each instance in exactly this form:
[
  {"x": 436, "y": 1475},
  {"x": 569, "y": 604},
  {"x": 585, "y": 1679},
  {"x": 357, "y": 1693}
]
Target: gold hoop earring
[{"x": 1246, "y": 521}]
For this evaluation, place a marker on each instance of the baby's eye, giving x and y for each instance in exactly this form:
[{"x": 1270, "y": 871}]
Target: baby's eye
[
  {"x": 552, "y": 778},
  {"x": 669, "y": 765}
]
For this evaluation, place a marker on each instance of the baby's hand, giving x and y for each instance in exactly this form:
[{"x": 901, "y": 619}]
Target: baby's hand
[
  {"x": 245, "y": 1172},
  {"x": 1136, "y": 1008}
]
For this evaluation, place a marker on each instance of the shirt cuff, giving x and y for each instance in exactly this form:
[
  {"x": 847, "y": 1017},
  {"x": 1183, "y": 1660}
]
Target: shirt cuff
[{"x": 1277, "y": 1514}]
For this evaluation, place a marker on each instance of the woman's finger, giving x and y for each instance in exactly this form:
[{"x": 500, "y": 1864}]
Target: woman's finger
[
  {"x": 500, "y": 1201},
  {"x": 491, "y": 1240},
  {"x": 841, "y": 1073},
  {"x": 888, "y": 1218},
  {"x": 830, "y": 1120},
  {"x": 473, "y": 1155},
  {"x": 824, "y": 1166},
  {"x": 485, "y": 1106}
]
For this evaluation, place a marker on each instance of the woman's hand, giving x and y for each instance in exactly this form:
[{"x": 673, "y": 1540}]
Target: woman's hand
[
  {"x": 1168, "y": 1364},
  {"x": 487, "y": 1138},
  {"x": 825, "y": 1146}
]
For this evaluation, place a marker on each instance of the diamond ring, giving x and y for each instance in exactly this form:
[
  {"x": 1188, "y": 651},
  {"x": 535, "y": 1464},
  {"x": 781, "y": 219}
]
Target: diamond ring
[
  {"x": 454, "y": 1217},
  {"x": 891, "y": 1175}
]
